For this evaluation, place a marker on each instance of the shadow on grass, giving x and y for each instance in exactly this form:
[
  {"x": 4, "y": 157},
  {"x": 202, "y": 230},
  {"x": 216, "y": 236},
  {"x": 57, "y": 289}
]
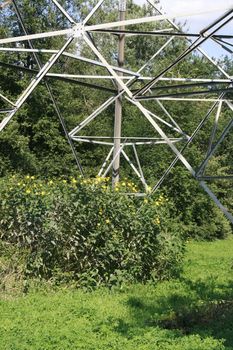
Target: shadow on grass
[{"x": 206, "y": 310}]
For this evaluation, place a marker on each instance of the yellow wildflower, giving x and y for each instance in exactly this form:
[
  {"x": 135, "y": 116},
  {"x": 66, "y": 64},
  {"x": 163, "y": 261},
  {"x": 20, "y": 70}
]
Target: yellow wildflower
[
  {"x": 107, "y": 221},
  {"x": 32, "y": 177},
  {"x": 161, "y": 199},
  {"x": 28, "y": 191},
  {"x": 27, "y": 177},
  {"x": 145, "y": 200},
  {"x": 42, "y": 193},
  {"x": 157, "y": 221}
]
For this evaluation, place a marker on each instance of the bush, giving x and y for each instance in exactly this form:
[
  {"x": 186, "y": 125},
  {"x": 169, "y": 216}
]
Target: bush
[
  {"x": 215, "y": 226},
  {"x": 83, "y": 230},
  {"x": 201, "y": 217},
  {"x": 207, "y": 222},
  {"x": 12, "y": 269}
]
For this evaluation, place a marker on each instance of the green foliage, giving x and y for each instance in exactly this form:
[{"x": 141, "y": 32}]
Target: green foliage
[
  {"x": 34, "y": 141},
  {"x": 83, "y": 230},
  {"x": 200, "y": 216},
  {"x": 12, "y": 269},
  {"x": 191, "y": 313}
]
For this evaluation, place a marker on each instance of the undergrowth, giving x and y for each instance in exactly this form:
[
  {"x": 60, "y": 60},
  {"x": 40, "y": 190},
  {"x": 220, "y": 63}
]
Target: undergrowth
[
  {"x": 194, "y": 312},
  {"x": 84, "y": 231}
]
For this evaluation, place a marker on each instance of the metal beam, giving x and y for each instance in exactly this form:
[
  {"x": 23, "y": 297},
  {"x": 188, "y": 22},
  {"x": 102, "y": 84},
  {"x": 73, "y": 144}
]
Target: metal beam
[
  {"x": 118, "y": 102},
  {"x": 35, "y": 82},
  {"x": 60, "y": 77},
  {"x": 151, "y": 19},
  {"x": 63, "y": 11},
  {"x": 124, "y": 80},
  {"x": 192, "y": 47},
  {"x": 17, "y": 39},
  {"x": 56, "y": 107}
]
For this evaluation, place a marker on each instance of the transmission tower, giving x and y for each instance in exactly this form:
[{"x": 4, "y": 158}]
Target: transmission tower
[{"x": 135, "y": 87}]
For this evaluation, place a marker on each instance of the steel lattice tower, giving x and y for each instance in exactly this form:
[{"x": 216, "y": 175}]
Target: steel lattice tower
[{"x": 125, "y": 79}]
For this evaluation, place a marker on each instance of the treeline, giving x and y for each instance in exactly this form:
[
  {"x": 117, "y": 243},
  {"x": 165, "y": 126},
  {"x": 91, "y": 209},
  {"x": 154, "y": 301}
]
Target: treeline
[{"x": 34, "y": 143}]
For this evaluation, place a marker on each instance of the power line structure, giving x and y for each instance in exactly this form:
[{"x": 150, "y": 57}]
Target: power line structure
[{"x": 125, "y": 85}]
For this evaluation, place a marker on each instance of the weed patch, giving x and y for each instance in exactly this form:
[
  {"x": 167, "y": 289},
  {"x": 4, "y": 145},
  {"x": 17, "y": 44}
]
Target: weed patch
[{"x": 193, "y": 312}]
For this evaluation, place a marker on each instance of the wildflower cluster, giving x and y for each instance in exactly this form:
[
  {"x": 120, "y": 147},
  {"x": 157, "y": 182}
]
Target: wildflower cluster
[
  {"x": 88, "y": 230},
  {"x": 126, "y": 186},
  {"x": 30, "y": 186}
]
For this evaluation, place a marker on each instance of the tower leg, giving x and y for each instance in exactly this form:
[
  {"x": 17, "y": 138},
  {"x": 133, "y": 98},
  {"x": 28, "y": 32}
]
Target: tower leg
[{"x": 118, "y": 103}]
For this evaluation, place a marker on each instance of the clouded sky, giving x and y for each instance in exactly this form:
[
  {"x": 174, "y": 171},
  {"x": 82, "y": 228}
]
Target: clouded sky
[{"x": 196, "y": 23}]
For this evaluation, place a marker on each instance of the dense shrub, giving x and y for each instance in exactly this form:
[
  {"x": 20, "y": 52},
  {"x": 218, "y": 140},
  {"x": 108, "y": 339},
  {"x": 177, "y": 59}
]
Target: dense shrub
[
  {"x": 83, "y": 230},
  {"x": 203, "y": 220},
  {"x": 212, "y": 226},
  {"x": 201, "y": 217}
]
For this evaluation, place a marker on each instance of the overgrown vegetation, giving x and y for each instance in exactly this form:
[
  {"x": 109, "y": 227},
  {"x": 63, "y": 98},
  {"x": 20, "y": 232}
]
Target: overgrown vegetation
[
  {"x": 83, "y": 230},
  {"x": 34, "y": 142},
  {"x": 193, "y": 312},
  {"x": 59, "y": 231}
]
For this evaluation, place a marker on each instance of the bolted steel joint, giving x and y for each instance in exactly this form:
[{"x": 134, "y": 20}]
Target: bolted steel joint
[{"x": 78, "y": 30}]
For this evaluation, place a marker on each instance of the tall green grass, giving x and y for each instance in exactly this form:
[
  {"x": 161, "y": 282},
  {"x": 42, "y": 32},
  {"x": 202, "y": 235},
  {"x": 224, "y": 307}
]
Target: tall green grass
[{"x": 194, "y": 312}]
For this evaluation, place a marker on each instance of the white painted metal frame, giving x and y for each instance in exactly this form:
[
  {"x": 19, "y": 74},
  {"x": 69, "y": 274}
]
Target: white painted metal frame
[{"x": 125, "y": 80}]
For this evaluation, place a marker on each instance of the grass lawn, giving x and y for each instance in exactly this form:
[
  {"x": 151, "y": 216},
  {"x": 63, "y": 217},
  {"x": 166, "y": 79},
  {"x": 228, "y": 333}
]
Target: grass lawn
[{"x": 194, "y": 312}]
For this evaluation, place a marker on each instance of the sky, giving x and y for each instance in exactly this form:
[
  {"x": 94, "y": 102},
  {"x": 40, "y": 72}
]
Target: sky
[{"x": 196, "y": 23}]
